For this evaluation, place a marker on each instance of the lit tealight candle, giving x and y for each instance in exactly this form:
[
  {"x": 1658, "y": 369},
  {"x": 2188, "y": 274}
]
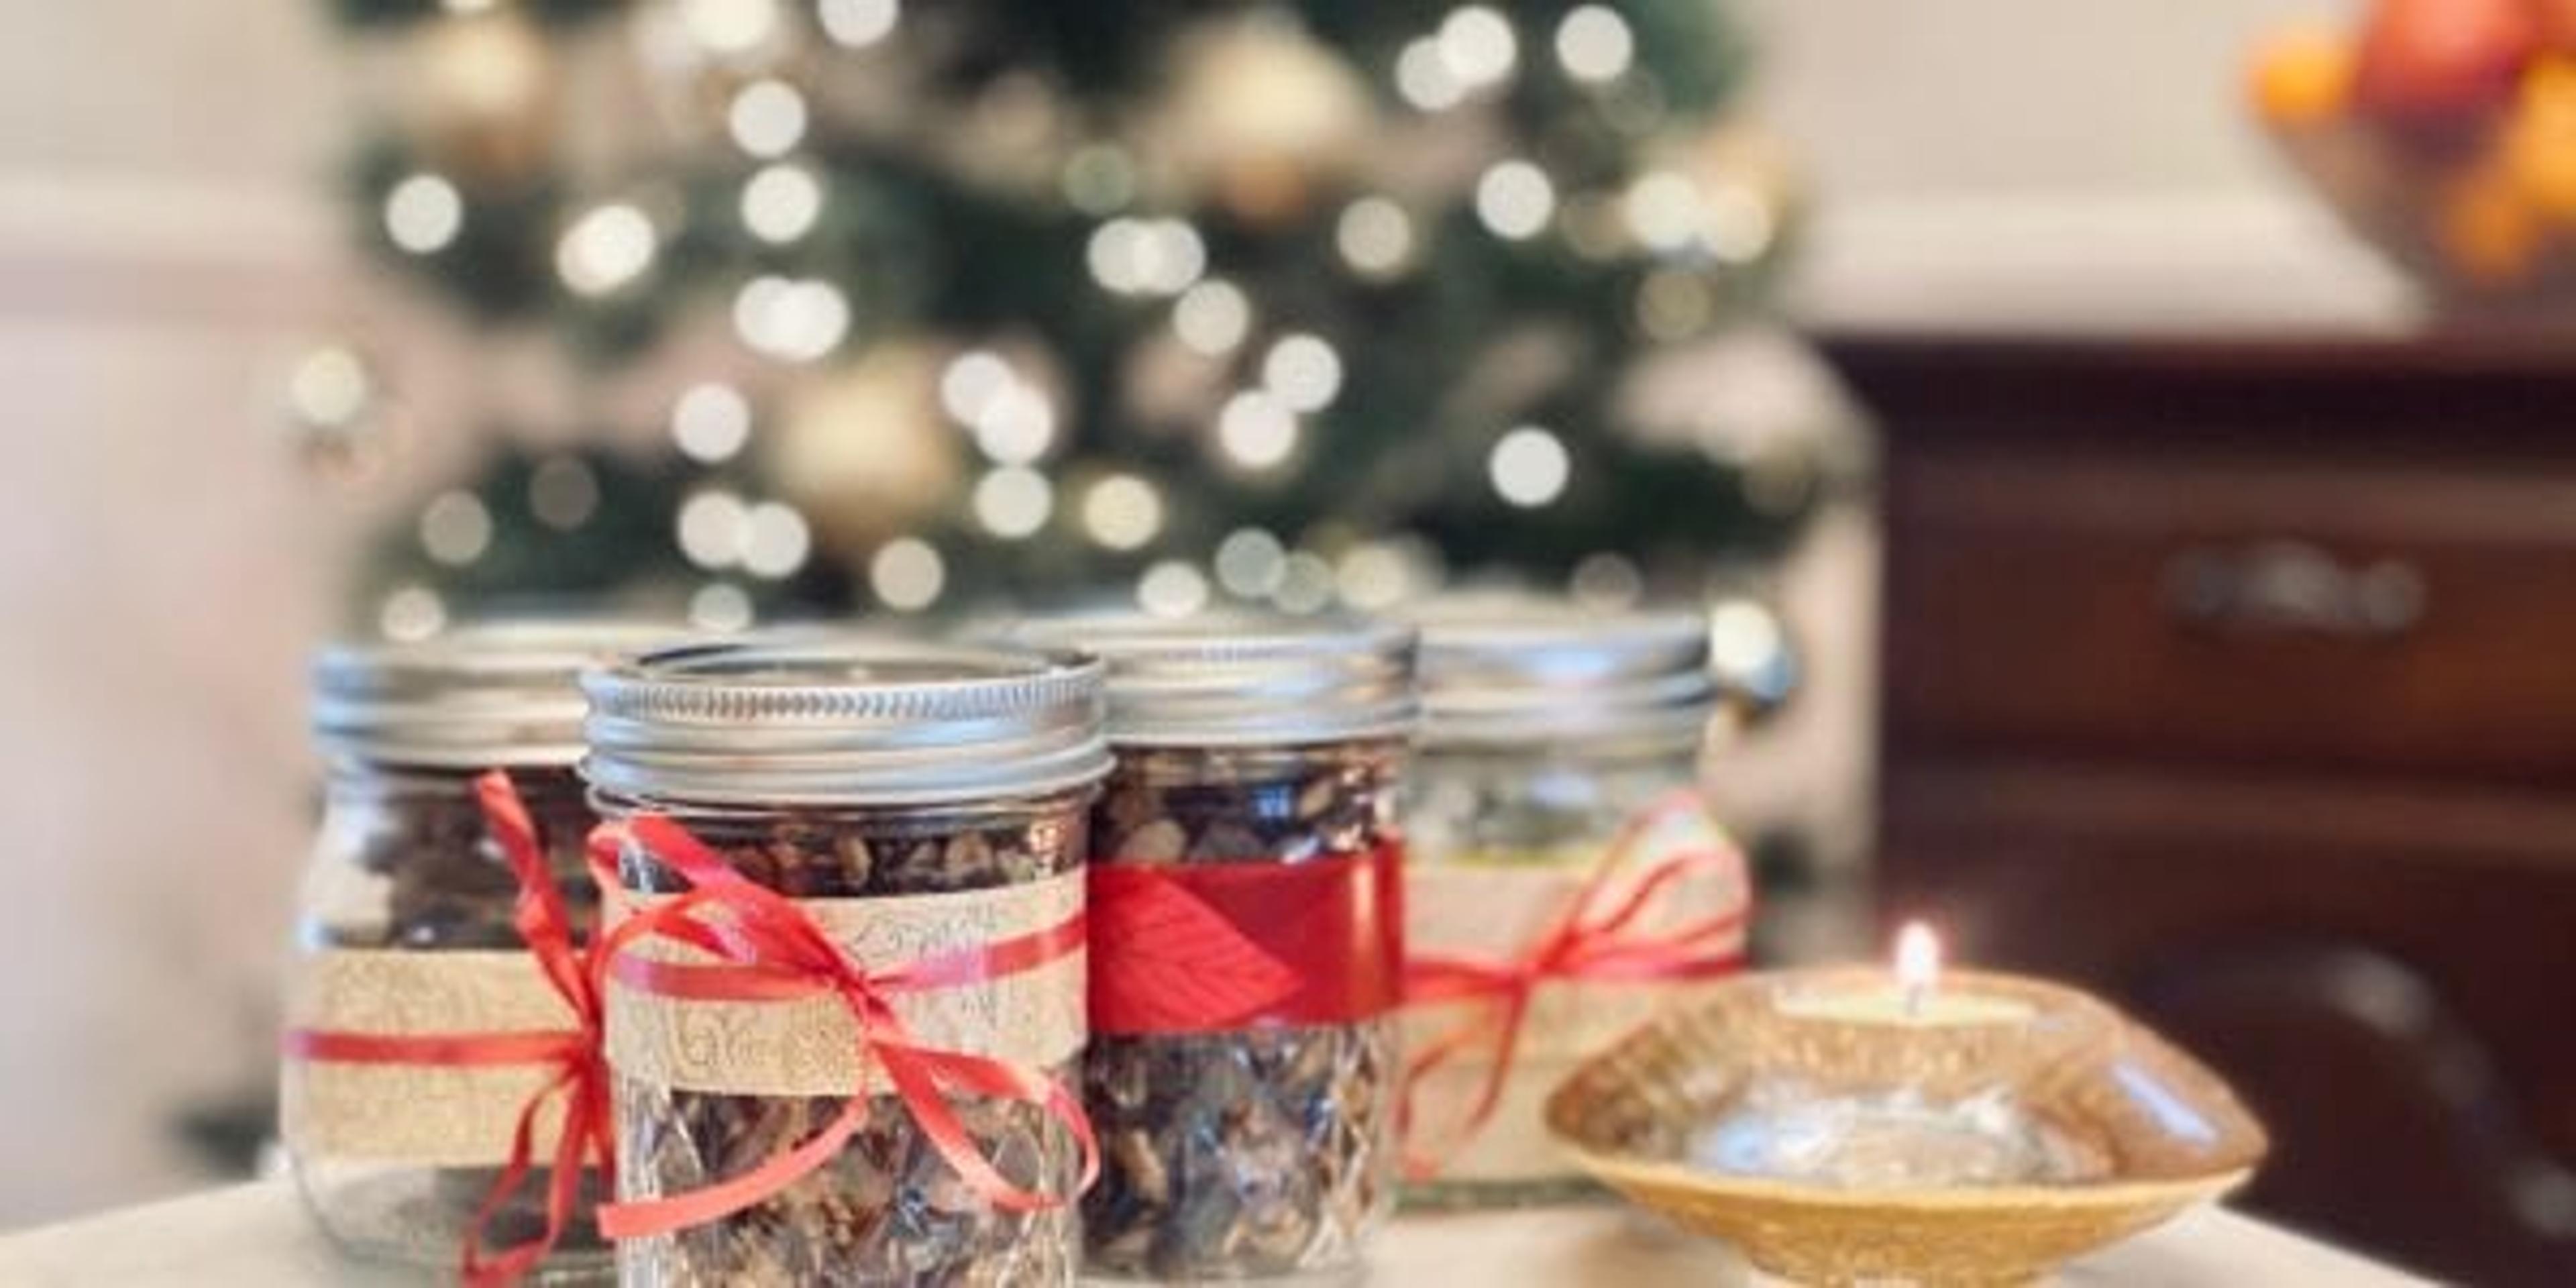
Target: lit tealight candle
[{"x": 1909, "y": 995}]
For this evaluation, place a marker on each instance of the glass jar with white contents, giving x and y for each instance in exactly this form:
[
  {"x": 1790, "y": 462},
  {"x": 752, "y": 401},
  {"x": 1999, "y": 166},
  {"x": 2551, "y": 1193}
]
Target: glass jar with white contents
[{"x": 1556, "y": 773}]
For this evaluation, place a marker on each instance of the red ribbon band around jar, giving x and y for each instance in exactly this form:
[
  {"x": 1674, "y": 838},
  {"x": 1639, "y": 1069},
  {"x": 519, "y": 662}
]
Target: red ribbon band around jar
[
  {"x": 1603, "y": 937},
  {"x": 1213, "y": 947},
  {"x": 766, "y": 948}
]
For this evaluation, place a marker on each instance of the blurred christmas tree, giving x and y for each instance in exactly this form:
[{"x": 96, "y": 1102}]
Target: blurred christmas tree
[{"x": 999, "y": 299}]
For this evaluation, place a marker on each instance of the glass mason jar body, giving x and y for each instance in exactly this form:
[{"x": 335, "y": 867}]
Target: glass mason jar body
[
  {"x": 888, "y": 1208},
  {"x": 1499, "y": 837},
  {"x": 1551, "y": 737},
  {"x": 915, "y": 803},
  {"x": 404, "y": 865},
  {"x": 1265, "y": 1152},
  {"x": 407, "y": 928},
  {"x": 1247, "y": 961}
]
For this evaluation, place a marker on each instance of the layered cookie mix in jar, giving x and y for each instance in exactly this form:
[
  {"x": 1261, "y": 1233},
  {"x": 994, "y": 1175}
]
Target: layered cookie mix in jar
[
  {"x": 409, "y": 938},
  {"x": 1247, "y": 945},
  {"x": 845, "y": 962},
  {"x": 1565, "y": 877}
]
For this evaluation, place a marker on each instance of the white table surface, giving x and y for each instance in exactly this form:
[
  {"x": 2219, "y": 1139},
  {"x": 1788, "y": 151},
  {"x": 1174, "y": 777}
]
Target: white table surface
[{"x": 255, "y": 1236}]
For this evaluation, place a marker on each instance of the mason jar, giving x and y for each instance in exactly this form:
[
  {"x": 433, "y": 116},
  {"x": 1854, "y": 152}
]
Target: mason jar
[
  {"x": 912, "y": 800},
  {"x": 406, "y": 930},
  {"x": 1246, "y": 951},
  {"x": 1551, "y": 733}
]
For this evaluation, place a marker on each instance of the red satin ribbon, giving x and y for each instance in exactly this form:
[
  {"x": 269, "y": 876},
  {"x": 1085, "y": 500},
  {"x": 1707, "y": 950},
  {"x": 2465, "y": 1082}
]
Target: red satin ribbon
[
  {"x": 580, "y": 1077},
  {"x": 1219, "y": 947},
  {"x": 768, "y": 949},
  {"x": 1591, "y": 944}
]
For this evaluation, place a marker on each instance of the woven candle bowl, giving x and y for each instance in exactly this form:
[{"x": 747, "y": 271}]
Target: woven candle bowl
[{"x": 2146, "y": 1131}]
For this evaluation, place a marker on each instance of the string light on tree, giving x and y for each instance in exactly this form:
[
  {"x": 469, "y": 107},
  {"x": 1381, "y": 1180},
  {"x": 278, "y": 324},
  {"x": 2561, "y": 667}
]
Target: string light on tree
[
  {"x": 411, "y": 613},
  {"x": 1099, "y": 179},
  {"x": 1250, "y": 563},
  {"x": 1015, "y": 426},
  {"x": 907, "y": 574},
  {"x": 1013, "y": 502},
  {"x": 796, "y": 320},
  {"x": 775, "y": 541},
  {"x": 455, "y": 528},
  {"x": 1256, "y": 431},
  {"x": 729, "y": 26},
  {"x": 605, "y": 249},
  {"x": 329, "y": 387},
  {"x": 1305, "y": 584},
  {"x": 1172, "y": 588},
  {"x": 1212, "y": 317},
  {"x": 1478, "y": 47},
  {"x": 1375, "y": 237},
  {"x": 1515, "y": 200},
  {"x": 971, "y": 381},
  {"x": 1423, "y": 78},
  {"x": 1302, "y": 371},
  {"x": 781, "y": 202},
  {"x": 1372, "y": 576},
  {"x": 1146, "y": 256},
  {"x": 713, "y": 526},
  {"x": 423, "y": 213},
  {"x": 767, "y": 118},
  {"x": 1593, "y": 44},
  {"x": 1737, "y": 224},
  {"x": 857, "y": 24},
  {"x": 1750, "y": 653},
  {"x": 1664, "y": 211},
  {"x": 1122, "y": 512},
  {"x": 710, "y": 422},
  {"x": 720, "y": 606},
  {"x": 1529, "y": 467}
]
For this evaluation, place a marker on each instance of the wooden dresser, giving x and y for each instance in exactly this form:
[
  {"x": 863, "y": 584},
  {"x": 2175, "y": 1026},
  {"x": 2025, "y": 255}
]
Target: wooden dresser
[{"x": 2239, "y": 681}]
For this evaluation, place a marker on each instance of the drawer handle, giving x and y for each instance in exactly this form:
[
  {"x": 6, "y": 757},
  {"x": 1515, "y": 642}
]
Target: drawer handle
[{"x": 2294, "y": 586}]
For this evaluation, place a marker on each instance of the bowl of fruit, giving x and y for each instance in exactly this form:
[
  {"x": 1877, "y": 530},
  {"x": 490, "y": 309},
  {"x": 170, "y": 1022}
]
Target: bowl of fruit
[{"x": 2444, "y": 132}]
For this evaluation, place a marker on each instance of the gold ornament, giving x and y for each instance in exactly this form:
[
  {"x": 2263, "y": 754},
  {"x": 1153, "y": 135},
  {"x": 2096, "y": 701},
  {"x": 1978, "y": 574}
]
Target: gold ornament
[
  {"x": 862, "y": 449},
  {"x": 1258, "y": 116},
  {"x": 480, "y": 94}
]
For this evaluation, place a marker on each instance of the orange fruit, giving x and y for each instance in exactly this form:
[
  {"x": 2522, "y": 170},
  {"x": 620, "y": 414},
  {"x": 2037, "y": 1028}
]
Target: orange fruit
[
  {"x": 2549, "y": 89},
  {"x": 2302, "y": 76},
  {"x": 2443, "y": 66},
  {"x": 2539, "y": 152},
  {"x": 2488, "y": 228}
]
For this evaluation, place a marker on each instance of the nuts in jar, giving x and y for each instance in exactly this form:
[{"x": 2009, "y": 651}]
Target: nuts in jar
[
  {"x": 1246, "y": 955},
  {"x": 910, "y": 803}
]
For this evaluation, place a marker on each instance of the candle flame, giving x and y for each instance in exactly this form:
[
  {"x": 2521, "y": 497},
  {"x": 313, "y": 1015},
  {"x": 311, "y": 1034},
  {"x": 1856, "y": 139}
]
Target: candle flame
[{"x": 1918, "y": 958}]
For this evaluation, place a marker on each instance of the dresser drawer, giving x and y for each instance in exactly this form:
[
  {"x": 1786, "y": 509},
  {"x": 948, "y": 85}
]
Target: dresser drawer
[{"x": 2233, "y": 610}]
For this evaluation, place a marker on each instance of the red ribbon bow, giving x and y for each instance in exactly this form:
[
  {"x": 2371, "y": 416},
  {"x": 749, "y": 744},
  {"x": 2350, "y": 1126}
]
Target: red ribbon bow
[
  {"x": 580, "y": 1077},
  {"x": 769, "y": 950},
  {"x": 1591, "y": 944}
]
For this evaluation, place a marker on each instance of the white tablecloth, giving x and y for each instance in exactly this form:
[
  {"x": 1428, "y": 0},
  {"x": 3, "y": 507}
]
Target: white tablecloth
[{"x": 255, "y": 1236}]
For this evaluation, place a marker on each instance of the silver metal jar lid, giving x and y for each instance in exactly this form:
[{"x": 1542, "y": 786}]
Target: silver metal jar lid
[
  {"x": 845, "y": 719},
  {"x": 502, "y": 693},
  {"x": 1518, "y": 669},
  {"x": 1234, "y": 679}
]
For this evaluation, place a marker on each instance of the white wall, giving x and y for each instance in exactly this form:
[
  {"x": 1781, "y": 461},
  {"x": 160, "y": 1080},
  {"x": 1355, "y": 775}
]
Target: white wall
[
  {"x": 2051, "y": 165},
  {"x": 162, "y": 250}
]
